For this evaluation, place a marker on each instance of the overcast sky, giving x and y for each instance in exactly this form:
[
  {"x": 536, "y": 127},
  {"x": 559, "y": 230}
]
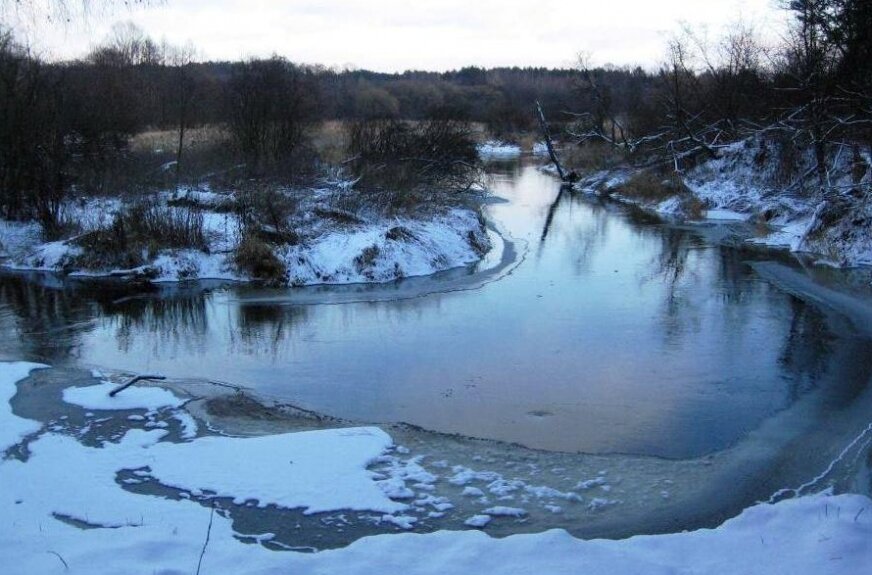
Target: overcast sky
[{"x": 395, "y": 35}]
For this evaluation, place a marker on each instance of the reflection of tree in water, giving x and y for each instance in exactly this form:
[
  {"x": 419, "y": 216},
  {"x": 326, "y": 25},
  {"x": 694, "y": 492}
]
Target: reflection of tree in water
[
  {"x": 549, "y": 215},
  {"x": 46, "y": 315},
  {"x": 672, "y": 269},
  {"x": 582, "y": 240},
  {"x": 733, "y": 276},
  {"x": 265, "y": 328},
  {"x": 807, "y": 348},
  {"x": 179, "y": 320}
]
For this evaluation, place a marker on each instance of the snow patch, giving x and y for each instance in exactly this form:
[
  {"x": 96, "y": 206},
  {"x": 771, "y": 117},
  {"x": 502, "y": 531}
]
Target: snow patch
[
  {"x": 478, "y": 521},
  {"x": 495, "y": 149},
  {"x": 134, "y": 397}
]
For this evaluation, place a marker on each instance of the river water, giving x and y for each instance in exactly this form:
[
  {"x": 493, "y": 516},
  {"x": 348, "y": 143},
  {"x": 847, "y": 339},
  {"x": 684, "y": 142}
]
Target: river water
[
  {"x": 613, "y": 334},
  {"x": 594, "y": 329}
]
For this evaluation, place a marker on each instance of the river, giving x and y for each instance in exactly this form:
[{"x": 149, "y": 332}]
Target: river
[{"x": 593, "y": 329}]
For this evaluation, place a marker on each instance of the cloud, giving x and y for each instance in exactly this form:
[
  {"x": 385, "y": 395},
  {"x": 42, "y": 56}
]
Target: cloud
[{"x": 395, "y": 35}]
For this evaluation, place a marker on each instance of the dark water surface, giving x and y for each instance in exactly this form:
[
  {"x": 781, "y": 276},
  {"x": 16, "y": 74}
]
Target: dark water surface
[{"x": 609, "y": 332}]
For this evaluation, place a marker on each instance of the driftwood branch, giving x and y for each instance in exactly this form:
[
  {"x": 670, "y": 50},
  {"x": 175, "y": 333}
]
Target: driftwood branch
[{"x": 121, "y": 388}]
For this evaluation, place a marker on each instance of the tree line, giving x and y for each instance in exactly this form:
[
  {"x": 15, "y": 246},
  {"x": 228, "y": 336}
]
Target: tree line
[
  {"x": 811, "y": 93},
  {"x": 67, "y": 126}
]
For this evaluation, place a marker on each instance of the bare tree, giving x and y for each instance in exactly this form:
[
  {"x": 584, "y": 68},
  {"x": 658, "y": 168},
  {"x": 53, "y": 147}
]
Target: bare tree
[{"x": 272, "y": 106}]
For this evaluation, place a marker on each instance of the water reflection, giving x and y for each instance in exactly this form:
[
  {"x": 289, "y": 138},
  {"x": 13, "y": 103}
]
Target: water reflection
[
  {"x": 263, "y": 330},
  {"x": 620, "y": 334},
  {"x": 177, "y": 324}
]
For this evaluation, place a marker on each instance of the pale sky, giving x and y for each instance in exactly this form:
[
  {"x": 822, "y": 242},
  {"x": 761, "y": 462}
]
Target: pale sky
[{"x": 395, "y": 35}]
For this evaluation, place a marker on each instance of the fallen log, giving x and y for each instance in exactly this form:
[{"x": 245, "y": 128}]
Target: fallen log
[{"x": 121, "y": 388}]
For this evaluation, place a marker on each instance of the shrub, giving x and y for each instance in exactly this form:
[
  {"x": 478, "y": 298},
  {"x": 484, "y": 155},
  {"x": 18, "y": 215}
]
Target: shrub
[
  {"x": 397, "y": 155},
  {"x": 267, "y": 211},
  {"x": 256, "y": 258},
  {"x": 647, "y": 187},
  {"x": 162, "y": 227},
  {"x": 272, "y": 107},
  {"x": 590, "y": 156},
  {"x": 138, "y": 234}
]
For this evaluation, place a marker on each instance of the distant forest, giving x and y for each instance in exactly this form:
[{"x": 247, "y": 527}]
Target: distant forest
[{"x": 60, "y": 122}]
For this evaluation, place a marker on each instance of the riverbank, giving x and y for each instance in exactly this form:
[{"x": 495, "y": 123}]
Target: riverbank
[
  {"x": 328, "y": 235},
  {"x": 745, "y": 184}
]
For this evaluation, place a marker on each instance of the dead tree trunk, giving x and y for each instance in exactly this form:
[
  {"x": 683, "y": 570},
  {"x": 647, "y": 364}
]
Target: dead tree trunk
[{"x": 546, "y": 133}]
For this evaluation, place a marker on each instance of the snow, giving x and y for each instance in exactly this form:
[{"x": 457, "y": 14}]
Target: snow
[
  {"x": 202, "y": 197},
  {"x": 726, "y": 215},
  {"x": 789, "y": 236},
  {"x": 371, "y": 248},
  {"x": 478, "y": 521},
  {"x": 13, "y": 428},
  {"x": 502, "y": 511},
  {"x": 134, "y": 397},
  {"x": 289, "y": 470},
  {"x": 470, "y": 491},
  {"x": 495, "y": 149},
  {"x": 401, "y": 521},
  {"x": 463, "y": 475},
  {"x": 367, "y": 253},
  {"x": 17, "y": 238},
  {"x": 591, "y": 483},
  {"x": 540, "y": 149},
  {"x": 744, "y": 183},
  {"x": 63, "y": 480},
  {"x": 189, "y": 427},
  {"x": 179, "y": 265},
  {"x": 50, "y": 256}
]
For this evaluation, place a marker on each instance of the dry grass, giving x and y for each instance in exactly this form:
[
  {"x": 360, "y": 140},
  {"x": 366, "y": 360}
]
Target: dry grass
[
  {"x": 647, "y": 187},
  {"x": 330, "y": 140},
  {"x": 591, "y": 156},
  {"x": 166, "y": 141},
  {"x": 652, "y": 188},
  {"x": 138, "y": 234},
  {"x": 256, "y": 258}
]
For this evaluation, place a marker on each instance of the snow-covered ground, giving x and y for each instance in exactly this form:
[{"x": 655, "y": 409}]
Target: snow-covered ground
[
  {"x": 540, "y": 149},
  {"x": 497, "y": 150},
  {"x": 63, "y": 509},
  {"x": 337, "y": 248},
  {"x": 743, "y": 184}
]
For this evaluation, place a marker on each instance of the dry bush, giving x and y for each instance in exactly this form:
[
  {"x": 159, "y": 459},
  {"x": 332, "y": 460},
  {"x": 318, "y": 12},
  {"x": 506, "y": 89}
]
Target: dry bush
[
  {"x": 139, "y": 233},
  {"x": 647, "y": 187},
  {"x": 358, "y": 205},
  {"x": 591, "y": 156},
  {"x": 652, "y": 188},
  {"x": 267, "y": 211},
  {"x": 693, "y": 207},
  {"x": 256, "y": 258},
  {"x": 396, "y": 155},
  {"x": 272, "y": 107},
  {"x": 330, "y": 141},
  {"x": 106, "y": 248},
  {"x": 161, "y": 227},
  {"x": 366, "y": 259}
]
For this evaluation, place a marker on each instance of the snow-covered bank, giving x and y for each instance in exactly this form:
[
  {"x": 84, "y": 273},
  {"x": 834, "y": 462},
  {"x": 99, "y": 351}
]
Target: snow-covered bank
[
  {"x": 747, "y": 183},
  {"x": 321, "y": 242},
  {"x": 498, "y": 150},
  {"x": 67, "y": 507}
]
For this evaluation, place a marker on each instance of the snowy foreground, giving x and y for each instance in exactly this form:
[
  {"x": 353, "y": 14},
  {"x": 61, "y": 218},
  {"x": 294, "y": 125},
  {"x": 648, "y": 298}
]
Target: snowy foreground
[
  {"x": 63, "y": 510},
  {"x": 744, "y": 185},
  {"x": 335, "y": 246}
]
